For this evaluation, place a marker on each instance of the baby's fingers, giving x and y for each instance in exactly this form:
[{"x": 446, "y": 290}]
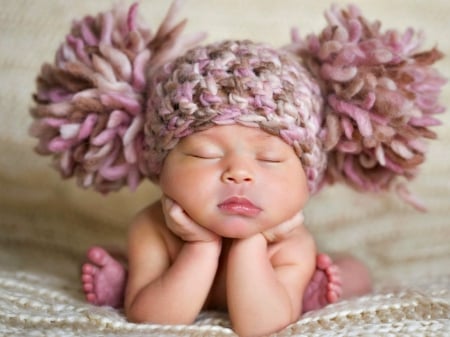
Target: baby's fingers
[
  {"x": 176, "y": 213},
  {"x": 181, "y": 224},
  {"x": 167, "y": 204},
  {"x": 180, "y": 216},
  {"x": 283, "y": 230}
]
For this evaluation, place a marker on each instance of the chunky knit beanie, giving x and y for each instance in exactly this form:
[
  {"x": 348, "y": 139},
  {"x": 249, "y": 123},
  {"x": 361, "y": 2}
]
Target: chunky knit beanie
[
  {"x": 236, "y": 82},
  {"x": 354, "y": 102}
]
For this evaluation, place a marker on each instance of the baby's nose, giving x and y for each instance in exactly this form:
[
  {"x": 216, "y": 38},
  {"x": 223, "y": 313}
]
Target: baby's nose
[{"x": 238, "y": 171}]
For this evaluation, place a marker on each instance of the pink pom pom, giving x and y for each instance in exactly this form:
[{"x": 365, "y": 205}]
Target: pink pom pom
[
  {"x": 382, "y": 94},
  {"x": 89, "y": 112}
]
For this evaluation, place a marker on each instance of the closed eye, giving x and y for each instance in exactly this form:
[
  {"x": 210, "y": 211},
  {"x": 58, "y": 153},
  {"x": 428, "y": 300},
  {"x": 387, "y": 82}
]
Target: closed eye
[
  {"x": 270, "y": 160},
  {"x": 203, "y": 155}
]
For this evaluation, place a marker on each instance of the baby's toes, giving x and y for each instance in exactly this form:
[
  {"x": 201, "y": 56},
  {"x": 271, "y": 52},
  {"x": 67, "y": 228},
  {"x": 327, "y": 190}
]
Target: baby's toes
[
  {"x": 91, "y": 297},
  {"x": 334, "y": 274},
  {"x": 88, "y": 284},
  {"x": 323, "y": 261},
  {"x": 98, "y": 256},
  {"x": 88, "y": 277},
  {"x": 88, "y": 269},
  {"x": 334, "y": 292}
]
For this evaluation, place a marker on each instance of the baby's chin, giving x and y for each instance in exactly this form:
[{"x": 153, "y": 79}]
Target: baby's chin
[{"x": 239, "y": 229}]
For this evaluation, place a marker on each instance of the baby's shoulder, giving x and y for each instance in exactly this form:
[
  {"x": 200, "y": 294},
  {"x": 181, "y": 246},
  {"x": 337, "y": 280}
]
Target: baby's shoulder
[
  {"x": 149, "y": 225},
  {"x": 299, "y": 245}
]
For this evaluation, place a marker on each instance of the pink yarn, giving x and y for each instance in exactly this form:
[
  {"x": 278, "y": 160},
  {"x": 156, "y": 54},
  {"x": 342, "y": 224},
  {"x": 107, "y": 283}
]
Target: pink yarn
[
  {"x": 381, "y": 94},
  {"x": 236, "y": 82},
  {"x": 118, "y": 98},
  {"x": 90, "y": 103}
]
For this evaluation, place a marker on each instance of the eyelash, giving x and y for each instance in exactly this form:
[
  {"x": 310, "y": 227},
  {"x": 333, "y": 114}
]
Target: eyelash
[
  {"x": 216, "y": 156},
  {"x": 269, "y": 160},
  {"x": 203, "y": 156}
]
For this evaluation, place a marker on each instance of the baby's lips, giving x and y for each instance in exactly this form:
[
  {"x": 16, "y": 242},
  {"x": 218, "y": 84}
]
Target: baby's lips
[{"x": 239, "y": 205}]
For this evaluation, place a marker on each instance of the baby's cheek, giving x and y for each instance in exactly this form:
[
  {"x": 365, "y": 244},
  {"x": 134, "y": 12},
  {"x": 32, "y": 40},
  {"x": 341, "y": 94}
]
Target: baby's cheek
[{"x": 198, "y": 210}]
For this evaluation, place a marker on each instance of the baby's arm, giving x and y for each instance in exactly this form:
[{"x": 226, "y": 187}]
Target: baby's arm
[
  {"x": 266, "y": 281},
  {"x": 160, "y": 290}
]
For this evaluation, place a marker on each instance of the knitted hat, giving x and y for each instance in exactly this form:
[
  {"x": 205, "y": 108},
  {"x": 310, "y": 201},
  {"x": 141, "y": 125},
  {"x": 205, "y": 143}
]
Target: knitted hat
[
  {"x": 118, "y": 98},
  {"x": 90, "y": 102},
  {"x": 236, "y": 82}
]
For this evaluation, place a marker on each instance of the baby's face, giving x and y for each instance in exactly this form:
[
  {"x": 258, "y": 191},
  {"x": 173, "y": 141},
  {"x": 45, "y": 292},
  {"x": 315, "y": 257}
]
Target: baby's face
[{"x": 235, "y": 180}]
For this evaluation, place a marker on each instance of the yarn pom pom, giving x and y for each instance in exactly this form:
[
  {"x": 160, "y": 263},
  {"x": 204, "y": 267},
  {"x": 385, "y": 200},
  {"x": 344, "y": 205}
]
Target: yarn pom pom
[
  {"x": 381, "y": 94},
  {"x": 90, "y": 103}
]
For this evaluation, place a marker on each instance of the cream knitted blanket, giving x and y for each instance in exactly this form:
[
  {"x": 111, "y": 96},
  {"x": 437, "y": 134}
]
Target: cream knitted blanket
[{"x": 46, "y": 225}]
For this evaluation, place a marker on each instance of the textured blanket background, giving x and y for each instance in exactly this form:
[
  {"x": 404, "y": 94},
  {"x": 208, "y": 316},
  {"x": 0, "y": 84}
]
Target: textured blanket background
[{"x": 47, "y": 224}]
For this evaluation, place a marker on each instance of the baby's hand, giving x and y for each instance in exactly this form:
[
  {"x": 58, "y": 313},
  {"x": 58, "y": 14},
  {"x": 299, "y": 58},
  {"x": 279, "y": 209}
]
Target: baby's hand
[
  {"x": 283, "y": 230},
  {"x": 182, "y": 225}
]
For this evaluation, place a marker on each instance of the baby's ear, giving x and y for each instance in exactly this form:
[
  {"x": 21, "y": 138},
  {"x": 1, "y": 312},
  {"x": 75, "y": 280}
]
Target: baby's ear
[
  {"x": 89, "y": 111},
  {"x": 381, "y": 94}
]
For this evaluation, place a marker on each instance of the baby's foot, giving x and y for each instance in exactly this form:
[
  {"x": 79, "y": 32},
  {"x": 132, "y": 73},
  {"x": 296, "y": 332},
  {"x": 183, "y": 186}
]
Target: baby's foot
[
  {"x": 325, "y": 285},
  {"x": 103, "y": 279}
]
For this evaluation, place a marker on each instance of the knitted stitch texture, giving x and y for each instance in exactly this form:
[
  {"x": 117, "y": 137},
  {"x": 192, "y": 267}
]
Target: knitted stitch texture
[
  {"x": 236, "y": 82},
  {"x": 380, "y": 87},
  {"x": 46, "y": 224}
]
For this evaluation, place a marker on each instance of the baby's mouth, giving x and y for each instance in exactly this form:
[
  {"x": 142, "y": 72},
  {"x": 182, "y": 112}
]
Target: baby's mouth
[{"x": 239, "y": 206}]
